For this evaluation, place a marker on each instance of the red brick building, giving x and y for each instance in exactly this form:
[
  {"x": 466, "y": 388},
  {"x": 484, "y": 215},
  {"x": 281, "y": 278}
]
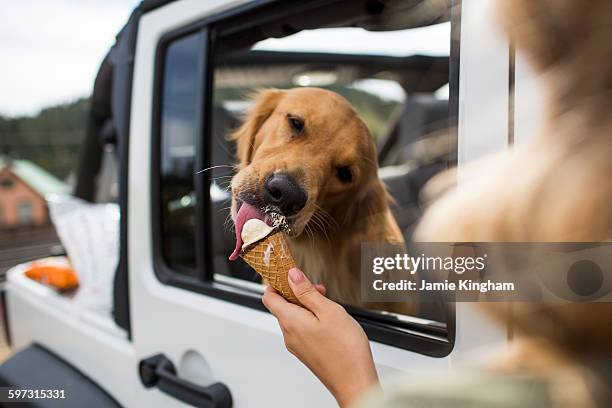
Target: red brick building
[{"x": 23, "y": 188}]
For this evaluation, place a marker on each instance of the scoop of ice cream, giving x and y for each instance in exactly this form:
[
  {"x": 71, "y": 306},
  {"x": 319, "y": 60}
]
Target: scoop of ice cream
[
  {"x": 254, "y": 230},
  {"x": 245, "y": 213}
]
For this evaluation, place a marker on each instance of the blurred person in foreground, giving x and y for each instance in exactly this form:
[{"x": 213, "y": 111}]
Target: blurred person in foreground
[{"x": 554, "y": 188}]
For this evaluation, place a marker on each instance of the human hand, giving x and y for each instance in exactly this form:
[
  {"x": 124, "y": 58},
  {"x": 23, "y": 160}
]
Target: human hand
[{"x": 324, "y": 337}]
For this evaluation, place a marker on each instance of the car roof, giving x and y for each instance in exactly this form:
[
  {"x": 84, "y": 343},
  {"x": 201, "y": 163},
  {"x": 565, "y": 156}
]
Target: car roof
[{"x": 415, "y": 73}]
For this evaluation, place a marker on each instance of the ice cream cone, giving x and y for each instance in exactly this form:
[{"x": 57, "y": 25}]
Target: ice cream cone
[{"x": 272, "y": 259}]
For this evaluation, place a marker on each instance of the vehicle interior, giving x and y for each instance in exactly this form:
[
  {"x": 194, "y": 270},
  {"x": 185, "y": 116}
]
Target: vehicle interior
[
  {"x": 408, "y": 143},
  {"x": 409, "y": 119}
]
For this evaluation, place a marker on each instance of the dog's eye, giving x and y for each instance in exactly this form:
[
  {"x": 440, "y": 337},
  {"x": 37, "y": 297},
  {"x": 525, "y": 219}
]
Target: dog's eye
[
  {"x": 296, "y": 123},
  {"x": 344, "y": 174}
]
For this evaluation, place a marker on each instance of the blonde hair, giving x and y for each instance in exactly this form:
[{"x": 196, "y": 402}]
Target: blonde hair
[{"x": 557, "y": 186}]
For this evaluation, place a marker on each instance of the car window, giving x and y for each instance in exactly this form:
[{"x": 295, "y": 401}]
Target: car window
[
  {"x": 393, "y": 79},
  {"x": 396, "y": 77},
  {"x": 178, "y": 127}
]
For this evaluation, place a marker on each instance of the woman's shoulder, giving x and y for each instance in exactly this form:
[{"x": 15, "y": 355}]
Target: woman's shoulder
[{"x": 466, "y": 389}]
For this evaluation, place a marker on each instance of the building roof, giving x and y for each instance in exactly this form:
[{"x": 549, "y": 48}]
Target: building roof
[{"x": 35, "y": 176}]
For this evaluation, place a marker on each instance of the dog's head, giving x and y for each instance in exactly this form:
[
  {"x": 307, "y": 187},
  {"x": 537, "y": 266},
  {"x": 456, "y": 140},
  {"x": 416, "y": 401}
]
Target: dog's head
[{"x": 304, "y": 154}]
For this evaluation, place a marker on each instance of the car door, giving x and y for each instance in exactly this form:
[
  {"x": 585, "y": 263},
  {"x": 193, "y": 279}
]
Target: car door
[{"x": 209, "y": 326}]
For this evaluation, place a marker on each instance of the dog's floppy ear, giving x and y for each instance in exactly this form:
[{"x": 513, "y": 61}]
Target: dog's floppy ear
[
  {"x": 371, "y": 211},
  {"x": 265, "y": 103}
]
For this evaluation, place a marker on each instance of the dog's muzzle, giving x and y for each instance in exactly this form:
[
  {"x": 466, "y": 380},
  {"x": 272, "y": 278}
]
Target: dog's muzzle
[{"x": 282, "y": 192}]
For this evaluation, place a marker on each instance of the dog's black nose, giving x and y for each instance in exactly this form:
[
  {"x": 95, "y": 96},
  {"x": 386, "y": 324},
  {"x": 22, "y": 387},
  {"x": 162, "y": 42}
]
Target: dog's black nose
[{"x": 282, "y": 191}]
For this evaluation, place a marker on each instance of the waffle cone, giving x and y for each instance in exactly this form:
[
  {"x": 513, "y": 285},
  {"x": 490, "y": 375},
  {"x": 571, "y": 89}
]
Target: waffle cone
[{"x": 272, "y": 259}]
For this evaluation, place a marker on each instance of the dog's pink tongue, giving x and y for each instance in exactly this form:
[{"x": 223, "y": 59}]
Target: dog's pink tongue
[{"x": 245, "y": 213}]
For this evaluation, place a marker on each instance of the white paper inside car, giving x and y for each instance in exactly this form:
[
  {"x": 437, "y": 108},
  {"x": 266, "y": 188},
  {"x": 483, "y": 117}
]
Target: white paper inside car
[{"x": 90, "y": 235}]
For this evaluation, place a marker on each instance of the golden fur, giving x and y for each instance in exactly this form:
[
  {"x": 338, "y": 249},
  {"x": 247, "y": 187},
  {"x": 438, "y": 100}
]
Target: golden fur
[{"x": 326, "y": 235}]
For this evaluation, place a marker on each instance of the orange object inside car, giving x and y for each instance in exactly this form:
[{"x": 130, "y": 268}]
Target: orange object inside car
[{"x": 59, "y": 277}]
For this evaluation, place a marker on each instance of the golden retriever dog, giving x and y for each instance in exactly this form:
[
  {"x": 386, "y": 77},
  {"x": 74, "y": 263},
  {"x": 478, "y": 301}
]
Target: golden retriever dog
[
  {"x": 306, "y": 155},
  {"x": 555, "y": 187}
]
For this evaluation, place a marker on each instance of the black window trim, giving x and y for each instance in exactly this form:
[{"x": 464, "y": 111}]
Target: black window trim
[{"x": 429, "y": 341}]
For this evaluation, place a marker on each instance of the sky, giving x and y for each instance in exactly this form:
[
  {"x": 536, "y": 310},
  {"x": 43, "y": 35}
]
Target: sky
[
  {"x": 431, "y": 40},
  {"x": 51, "y": 49}
]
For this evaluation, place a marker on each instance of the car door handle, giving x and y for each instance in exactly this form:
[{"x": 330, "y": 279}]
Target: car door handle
[{"x": 158, "y": 371}]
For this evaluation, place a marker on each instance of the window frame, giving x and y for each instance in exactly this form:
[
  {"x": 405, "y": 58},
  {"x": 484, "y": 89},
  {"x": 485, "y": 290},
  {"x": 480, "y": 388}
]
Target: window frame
[
  {"x": 25, "y": 217},
  {"x": 156, "y": 157},
  {"x": 419, "y": 338}
]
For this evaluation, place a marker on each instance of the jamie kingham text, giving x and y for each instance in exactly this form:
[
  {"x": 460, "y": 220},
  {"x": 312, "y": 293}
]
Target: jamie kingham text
[{"x": 414, "y": 264}]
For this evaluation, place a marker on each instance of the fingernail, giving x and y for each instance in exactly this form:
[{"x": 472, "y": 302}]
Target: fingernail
[{"x": 296, "y": 275}]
